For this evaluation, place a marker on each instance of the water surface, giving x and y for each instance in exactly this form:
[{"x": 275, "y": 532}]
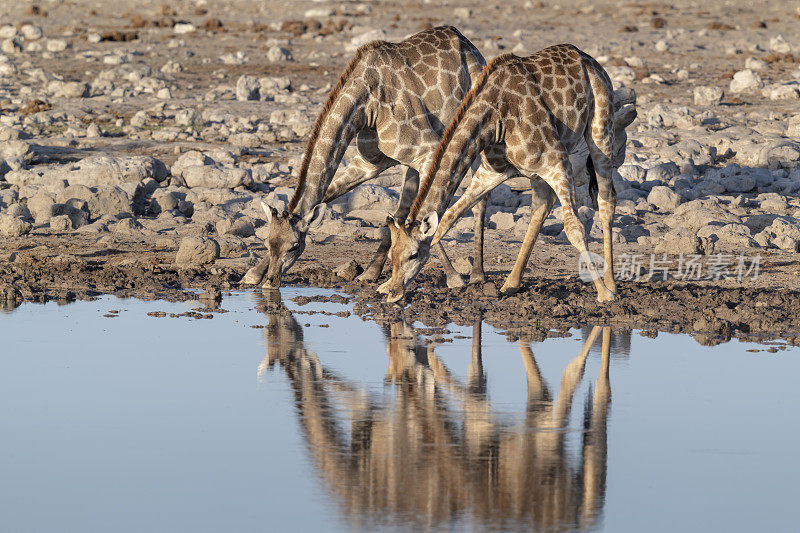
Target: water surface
[{"x": 138, "y": 422}]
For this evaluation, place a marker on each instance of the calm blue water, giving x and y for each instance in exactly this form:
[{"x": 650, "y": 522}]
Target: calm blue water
[{"x": 138, "y": 423}]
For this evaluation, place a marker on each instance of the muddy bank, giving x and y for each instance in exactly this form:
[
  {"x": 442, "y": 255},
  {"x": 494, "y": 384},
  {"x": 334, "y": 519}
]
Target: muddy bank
[{"x": 712, "y": 313}]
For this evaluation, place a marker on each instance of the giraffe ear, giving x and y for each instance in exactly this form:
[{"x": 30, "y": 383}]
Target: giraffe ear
[
  {"x": 428, "y": 225},
  {"x": 312, "y": 216},
  {"x": 391, "y": 221},
  {"x": 269, "y": 211}
]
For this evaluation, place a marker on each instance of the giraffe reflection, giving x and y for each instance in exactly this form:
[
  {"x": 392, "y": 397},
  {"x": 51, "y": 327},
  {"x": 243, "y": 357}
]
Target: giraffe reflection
[{"x": 436, "y": 452}]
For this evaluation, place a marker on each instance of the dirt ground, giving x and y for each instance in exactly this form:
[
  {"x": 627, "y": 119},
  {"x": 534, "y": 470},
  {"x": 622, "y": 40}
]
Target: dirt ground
[{"x": 709, "y": 40}]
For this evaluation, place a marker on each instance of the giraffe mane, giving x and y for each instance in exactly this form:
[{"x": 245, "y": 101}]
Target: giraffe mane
[
  {"x": 447, "y": 136},
  {"x": 312, "y": 140}
]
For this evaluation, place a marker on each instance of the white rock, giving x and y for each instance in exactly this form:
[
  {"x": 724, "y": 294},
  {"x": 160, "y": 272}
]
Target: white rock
[
  {"x": 778, "y": 44},
  {"x": 197, "y": 250},
  {"x": 706, "y": 95},
  {"x": 793, "y": 126},
  {"x": 31, "y": 32},
  {"x": 184, "y": 27},
  {"x": 8, "y": 31},
  {"x": 319, "y": 13},
  {"x": 753, "y": 63},
  {"x": 623, "y": 75},
  {"x": 782, "y": 91},
  {"x": 216, "y": 177},
  {"x": 56, "y": 45},
  {"x": 664, "y": 198},
  {"x": 11, "y": 226},
  {"x": 502, "y": 221},
  {"x": 662, "y": 46},
  {"x": 68, "y": 89},
  {"x": 276, "y": 54},
  {"x": 187, "y": 117},
  {"x": 366, "y": 37},
  {"x": 247, "y": 88},
  {"x": 746, "y": 81}
]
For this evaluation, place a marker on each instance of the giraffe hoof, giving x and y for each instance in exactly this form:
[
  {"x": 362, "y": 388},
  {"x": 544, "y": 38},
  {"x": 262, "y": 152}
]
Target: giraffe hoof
[
  {"x": 252, "y": 277},
  {"x": 508, "y": 290},
  {"x": 383, "y": 287},
  {"x": 476, "y": 278},
  {"x": 455, "y": 281},
  {"x": 607, "y": 297},
  {"x": 368, "y": 276}
]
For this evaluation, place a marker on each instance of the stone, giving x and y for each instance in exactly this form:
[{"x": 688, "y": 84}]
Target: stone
[
  {"x": 107, "y": 170},
  {"x": 215, "y": 177},
  {"x": 727, "y": 238},
  {"x": 369, "y": 196},
  {"x": 60, "y": 223},
  {"x": 112, "y": 201},
  {"x": 678, "y": 241},
  {"x": 188, "y": 117},
  {"x": 197, "y": 251},
  {"x": 41, "y": 207},
  {"x": 247, "y": 88},
  {"x": 664, "y": 198},
  {"x": 11, "y": 226},
  {"x": 502, "y": 221},
  {"x": 31, "y": 32},
  {"x": 68, "y": 89},
  {"x": 784, "y": 233},
  {"x": 276, "y": 54},
  {"x": 793, "y": 126},
  {"x": 56, "y": 45},
  {"x": 746, "y": 81},
  {"x": 694, "y": 215},
  {"x": 663, "y": 171},
  {"x": 779, "y": 45},
  {"x": 239, "y": 227},
  {"x": 753, "y": 63},
  {"x": 706, "y": 95},
  {"x": 504, "y": 196},
  {"x": 19, "y": 210},
  {"x": 349, "y": 270},
  {"x": 782, "y": 91},
  {"x": 182, "y": 28}
]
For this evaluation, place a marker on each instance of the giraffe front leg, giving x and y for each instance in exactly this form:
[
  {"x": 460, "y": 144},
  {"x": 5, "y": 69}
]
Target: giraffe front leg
[
  {"x": 454, "y": 279},
  {"x": 479, "y": 214},
  {"x": 407, "y": 195},
  {"x": 541, "y": 206},
  {"x": 576, "y": 233},
  {"x": 607, "y": 203}
]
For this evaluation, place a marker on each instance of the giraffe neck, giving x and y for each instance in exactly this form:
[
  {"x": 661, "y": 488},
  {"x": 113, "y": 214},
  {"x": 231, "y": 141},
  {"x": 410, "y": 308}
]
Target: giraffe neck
[
  {"x": 346, "y": 118},
  {"x": 472, "y": 135}
]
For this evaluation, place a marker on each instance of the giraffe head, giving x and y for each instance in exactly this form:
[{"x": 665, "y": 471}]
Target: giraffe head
[
  {"x": 622, "y": 119},
  {"x": 286, "y": 240},
  {"x": 624, "y": 114},
  {"x": 410, "y": 250}
]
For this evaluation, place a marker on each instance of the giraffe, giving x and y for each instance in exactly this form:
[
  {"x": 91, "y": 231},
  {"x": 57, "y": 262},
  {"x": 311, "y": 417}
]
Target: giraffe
[
  {"x": 524, "y": 115},
  {"x": 437, "y": 449},
  {"x": 395, "y": 99}
]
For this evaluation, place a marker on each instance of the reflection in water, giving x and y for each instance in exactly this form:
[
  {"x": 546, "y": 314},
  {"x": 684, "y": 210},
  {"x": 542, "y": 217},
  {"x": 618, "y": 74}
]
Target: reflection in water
[{"x": 438, "y": 452}]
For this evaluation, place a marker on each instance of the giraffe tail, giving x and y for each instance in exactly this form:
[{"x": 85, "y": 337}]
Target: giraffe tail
[{"x": 593, "y": 188}]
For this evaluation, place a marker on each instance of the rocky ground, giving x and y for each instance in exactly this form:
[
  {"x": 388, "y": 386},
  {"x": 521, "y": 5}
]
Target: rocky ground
[{"x": 136, "y": 144}]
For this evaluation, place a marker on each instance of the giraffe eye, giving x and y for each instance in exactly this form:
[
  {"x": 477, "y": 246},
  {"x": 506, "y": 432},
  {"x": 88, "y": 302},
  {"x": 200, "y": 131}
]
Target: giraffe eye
[{"x": 413, "y": 256}]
